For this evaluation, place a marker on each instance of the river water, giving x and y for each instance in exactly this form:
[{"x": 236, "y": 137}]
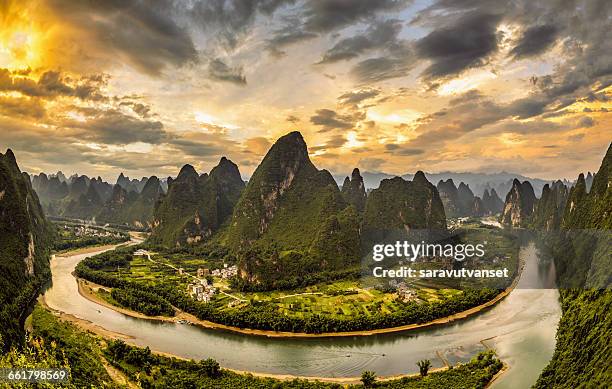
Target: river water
[{"x": 521, "y": 328}]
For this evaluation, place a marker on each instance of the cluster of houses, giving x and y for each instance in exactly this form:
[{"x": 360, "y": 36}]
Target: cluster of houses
[
  {"x": 226, "y": 272},
  {"x": 403, "y": 291},
  {"x": 201, "y": 291},
  {"x": 82, "y": 230},
  {"x": 141, "y": 253}
]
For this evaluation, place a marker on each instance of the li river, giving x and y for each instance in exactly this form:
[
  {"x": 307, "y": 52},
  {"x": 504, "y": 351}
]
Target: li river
[{"x": 521, "y": 328}]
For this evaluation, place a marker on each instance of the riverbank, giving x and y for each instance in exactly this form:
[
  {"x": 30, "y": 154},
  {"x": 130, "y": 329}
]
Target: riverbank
[
  {"x": 108, "y": 335},
  {"x": 88, "y": 249},
  {"x": 94, "y": 329},
  {"x": 87, "y": 290},
  {"x": 82, "y": 323}
]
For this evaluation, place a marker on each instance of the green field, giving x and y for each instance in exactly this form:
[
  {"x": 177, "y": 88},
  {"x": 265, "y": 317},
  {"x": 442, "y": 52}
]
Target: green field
[{"x": 341, "y": 299}]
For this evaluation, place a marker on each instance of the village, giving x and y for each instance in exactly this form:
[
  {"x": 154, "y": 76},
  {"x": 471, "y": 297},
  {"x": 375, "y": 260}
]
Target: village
[
  {"x": 82, "y": 230},
  {"x": 202, "y": 288}
]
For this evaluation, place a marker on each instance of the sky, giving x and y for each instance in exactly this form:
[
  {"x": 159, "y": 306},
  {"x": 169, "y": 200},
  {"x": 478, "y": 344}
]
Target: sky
[{"x": 395, "y": 86}]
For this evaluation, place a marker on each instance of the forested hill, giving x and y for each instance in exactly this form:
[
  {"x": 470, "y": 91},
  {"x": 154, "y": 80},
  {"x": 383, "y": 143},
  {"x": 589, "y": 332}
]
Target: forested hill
[
  {"x": 25, "y": 241},
  {"x": 582, "y": 354}
]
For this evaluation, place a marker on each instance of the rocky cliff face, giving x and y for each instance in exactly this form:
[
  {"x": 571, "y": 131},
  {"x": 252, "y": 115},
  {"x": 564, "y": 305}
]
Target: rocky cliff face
[
  {"x": 353, "y": 191},
  {"x": 549, "y": 209},
  {"x": 478, "y": 208},
  {"x": 460, "y": 202},
  {"x": 196, "y": 206},
  {"x": 519, "y": 205},
  {"x": 450, "y": 198},
  {"x": 582, "y": 351},
  {"x": 104, "y": 189},
  {"x": 86, "y": 205},
  {"x": 25, "y": 242},
  {"x": 588, "y": 180},
  {"x": 290, "y": 208},
  {"x": 491, "y": 202},
  {"x": 466, "y": 199},
  {"x": 131, "y": 185},
  {"x": 115, "y": 209},
  {"x": 132, "y": 208},
  {"x": 401, "y": 204}
]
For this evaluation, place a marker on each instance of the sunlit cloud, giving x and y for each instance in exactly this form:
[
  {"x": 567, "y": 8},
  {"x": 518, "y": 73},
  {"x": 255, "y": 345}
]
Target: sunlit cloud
[{"x": 126, "y": 86}]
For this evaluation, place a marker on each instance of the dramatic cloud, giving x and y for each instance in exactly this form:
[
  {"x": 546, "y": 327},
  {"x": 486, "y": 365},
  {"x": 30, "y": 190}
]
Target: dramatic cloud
[
  {"x": 197, "y": 146},
  {"x": 378, "y": 35},
  {"x": 535, "y": 40},
  {"x": 220, "y": 71},
  {"x": 465, "y": 44},
  {"x": 20, "y": 106},
  {"x": 142, "y": 33},
  {"x": 387, "y": 85},
  {"x": 258, "y": 145},
  {"x": 293, "y": 119},
  {"x": 324, "y": 16},
  {"x": 355, "y": 97},
  {"x": 290, "y": 34},
  {"x": 585, "y": 122},
  {"x": 329, "y": 120},
  {"x": 397, "y": 149},
  {"x": 230, "y": 20},
  {"x": 53, "y": 84},
  {"x": 328, "y": 15},
  {"x": 373, "y": 70},
  {"x": 114, "y": 127}
]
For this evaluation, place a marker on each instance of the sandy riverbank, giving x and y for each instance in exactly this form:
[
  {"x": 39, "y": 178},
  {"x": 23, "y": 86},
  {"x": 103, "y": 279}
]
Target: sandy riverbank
[
  {"x": 83, "y": 324},
  {"x": 87, "y": 250}
]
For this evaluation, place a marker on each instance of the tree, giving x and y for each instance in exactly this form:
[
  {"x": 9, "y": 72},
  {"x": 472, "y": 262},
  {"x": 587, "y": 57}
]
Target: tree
[
  {"x": 210, "y": 368},
  {"x": 424, "y": 366},
  {"x": 368, "y": 379}
]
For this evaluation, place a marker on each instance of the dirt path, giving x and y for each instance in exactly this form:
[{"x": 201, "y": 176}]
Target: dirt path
[{"x": 116, "y": 375}]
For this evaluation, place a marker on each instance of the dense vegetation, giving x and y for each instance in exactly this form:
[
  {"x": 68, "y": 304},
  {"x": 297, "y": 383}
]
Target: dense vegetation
[
  {"x": 354, "y": 191},
  {"x": 55, "y": 344},
  {"x": 548, "y": 211},
  {"x": 72, "y": 236},
  {"x": 582, "y": 353},
  {"x": 81, "y": 351},
  {"x": 154, "y": 371},
  {"x": 129, "y": 202},
  {"x": 291, "y": 218},
  {"x": 196, "y": 206},
  {"x": 25, "y": 242},
  {"x": 399, "y": 204},
  {"x": 142, "y": 301},
  {"x": 265, "y": 316}
]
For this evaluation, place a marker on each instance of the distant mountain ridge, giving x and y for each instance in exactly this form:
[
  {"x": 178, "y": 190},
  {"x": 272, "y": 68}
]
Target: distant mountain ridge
[
  {"x": 461, "y": 201},
  {"x": 478, "y": 182},
  {"x": 128, "y": 202}
]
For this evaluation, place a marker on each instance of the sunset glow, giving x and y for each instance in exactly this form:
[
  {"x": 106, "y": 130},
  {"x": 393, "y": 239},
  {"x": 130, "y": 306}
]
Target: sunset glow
[{"x": 75, "y": 75}]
